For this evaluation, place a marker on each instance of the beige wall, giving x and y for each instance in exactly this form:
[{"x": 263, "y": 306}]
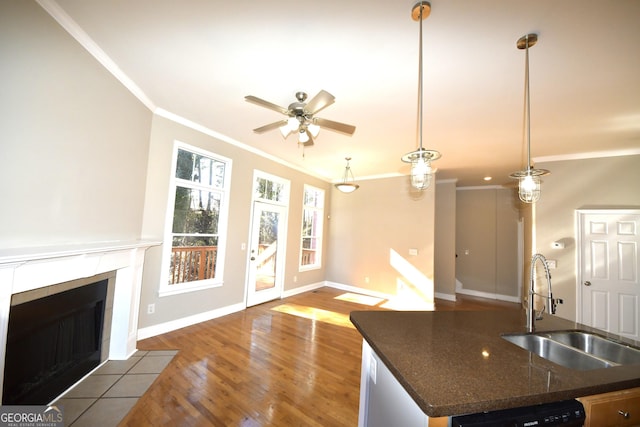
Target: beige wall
[
  {"x": 171, "y": 308},
  {"x": 74, "y": 141},
  {"x": 384, "y": 215},
  {"x": 445, "y": 240},
  {"x": 612, "y": 182},
  {"x": 487, "y": 228}
]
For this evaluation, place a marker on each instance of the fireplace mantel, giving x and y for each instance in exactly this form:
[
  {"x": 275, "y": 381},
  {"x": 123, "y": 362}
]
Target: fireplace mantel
[{"x": 29, "y": 268}]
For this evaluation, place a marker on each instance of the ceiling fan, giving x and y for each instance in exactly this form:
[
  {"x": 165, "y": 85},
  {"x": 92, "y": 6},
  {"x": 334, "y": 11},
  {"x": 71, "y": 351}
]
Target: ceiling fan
[{"x": 301, "y": 117}]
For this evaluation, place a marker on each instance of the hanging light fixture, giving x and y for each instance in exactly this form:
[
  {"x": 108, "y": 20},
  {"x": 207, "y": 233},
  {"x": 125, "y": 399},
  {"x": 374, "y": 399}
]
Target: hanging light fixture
[
  {"x": 347, "y": 185},
  {"x": 420, "y": 159},
  {"x": 528, "y": 179}
]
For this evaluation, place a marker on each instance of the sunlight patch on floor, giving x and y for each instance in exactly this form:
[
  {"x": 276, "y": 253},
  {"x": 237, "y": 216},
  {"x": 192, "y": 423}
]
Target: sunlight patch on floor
[
  {"x": 313, "y": 313},
  {"x": 408, "y": 299},
  {"x": 360, "y": 299}
]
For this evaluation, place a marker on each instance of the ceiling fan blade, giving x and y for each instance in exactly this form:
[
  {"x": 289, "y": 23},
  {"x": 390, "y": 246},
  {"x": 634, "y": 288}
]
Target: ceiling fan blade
[
  {"x": 270, "y": 126},
  {"x": 319, "y": 102},
  {"x": 309, "y": 143},
  {"x": 266, "y": 104},
  {"x": 335, "y": 126}
]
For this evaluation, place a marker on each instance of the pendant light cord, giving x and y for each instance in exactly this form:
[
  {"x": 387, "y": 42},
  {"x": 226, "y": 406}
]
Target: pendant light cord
[
  {"x": 528, "y": 100},
  {"x": 420, "y": 83}
]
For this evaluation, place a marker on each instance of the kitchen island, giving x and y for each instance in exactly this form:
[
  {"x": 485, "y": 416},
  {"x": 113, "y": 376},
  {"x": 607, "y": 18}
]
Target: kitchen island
[{"x": 453, "y": 363}]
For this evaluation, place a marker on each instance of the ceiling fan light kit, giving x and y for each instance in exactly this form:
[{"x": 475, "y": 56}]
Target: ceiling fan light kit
[
  {"x": 420, "y": 159},
  {"x": 347, "y": 185},
  {"x": 529, "y": 178},
  {"x": 302, "y": 118}
]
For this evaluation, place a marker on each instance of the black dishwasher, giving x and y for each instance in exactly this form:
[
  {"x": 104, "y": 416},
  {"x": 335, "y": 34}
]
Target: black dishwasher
[{"x": 564, "y": 413}]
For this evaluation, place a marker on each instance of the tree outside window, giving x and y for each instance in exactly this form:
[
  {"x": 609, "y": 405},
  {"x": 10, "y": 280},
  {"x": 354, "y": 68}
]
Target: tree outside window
[
  {"x": 199, "y": 195},
  {"x": 312, "y": 215}
]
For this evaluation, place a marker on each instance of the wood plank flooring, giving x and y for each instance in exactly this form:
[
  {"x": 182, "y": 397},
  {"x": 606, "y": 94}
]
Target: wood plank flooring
[{"x": 290, "y": 362}]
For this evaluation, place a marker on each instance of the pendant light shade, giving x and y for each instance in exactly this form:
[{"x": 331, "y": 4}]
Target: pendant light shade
[
  {"x": 529, "y": 178},
  {"x": 347, "y": 185},
  {"x": 420, "y": 159}
]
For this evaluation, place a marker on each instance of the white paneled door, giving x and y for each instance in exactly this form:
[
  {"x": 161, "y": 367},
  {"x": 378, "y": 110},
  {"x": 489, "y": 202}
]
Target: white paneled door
[{"x": 608, "y": 283}]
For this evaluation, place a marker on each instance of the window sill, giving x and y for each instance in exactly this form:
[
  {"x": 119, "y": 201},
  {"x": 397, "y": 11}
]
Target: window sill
[{"x": 189, "y": 287}]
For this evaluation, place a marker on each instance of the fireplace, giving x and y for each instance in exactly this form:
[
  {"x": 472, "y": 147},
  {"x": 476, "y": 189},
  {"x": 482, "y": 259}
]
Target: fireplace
[
  {"x": 53, "y": 341},
  {"x": 31, "y": 273}
]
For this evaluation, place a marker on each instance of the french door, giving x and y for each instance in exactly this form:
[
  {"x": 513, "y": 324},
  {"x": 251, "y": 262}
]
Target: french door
[
  {"x": 266, "y": 253},
  {"x": 608, "y": 287}
]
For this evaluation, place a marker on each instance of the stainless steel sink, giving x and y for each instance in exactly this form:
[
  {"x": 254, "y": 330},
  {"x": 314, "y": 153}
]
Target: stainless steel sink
[
  {"x": 576, "y": 349},
  {"x": 598, "y": 346},
  {"x": 556, "y": 352}
]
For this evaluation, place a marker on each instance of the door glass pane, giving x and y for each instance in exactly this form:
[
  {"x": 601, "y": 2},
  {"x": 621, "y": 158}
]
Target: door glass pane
[{"x": 267, "y": 245}]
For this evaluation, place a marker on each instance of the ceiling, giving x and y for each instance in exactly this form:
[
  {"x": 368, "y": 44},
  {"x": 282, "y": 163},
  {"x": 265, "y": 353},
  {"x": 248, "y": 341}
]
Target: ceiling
[{"x": 198, "y": 59}]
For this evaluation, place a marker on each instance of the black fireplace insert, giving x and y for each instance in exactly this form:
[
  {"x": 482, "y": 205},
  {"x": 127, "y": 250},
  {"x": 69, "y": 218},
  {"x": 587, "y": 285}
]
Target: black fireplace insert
[{"x": 52, "y": 343}]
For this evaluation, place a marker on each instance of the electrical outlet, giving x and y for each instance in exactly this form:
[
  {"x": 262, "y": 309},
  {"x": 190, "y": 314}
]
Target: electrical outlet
[
  {"x": 151, "y": 308},
  {"x": 373, "y": 368},
  {"x": 551, "y": 263},
  {"x": 295, "y": 279}
]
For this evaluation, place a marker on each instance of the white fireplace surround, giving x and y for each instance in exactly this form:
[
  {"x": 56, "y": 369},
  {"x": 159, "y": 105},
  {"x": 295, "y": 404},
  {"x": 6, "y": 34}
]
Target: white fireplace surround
[{"x": 26, "y": 269}]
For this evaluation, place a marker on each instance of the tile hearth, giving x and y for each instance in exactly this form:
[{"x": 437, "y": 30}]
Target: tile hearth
[{"x": 107, "y": 395}]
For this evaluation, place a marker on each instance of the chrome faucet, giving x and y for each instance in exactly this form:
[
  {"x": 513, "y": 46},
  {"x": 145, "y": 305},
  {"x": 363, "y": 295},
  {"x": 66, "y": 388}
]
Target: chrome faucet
[{"x": 550, "y": 303}]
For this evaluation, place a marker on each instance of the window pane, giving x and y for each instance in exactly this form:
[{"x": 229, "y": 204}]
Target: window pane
[
  {"x": 269, "y": 190},
  {"x": 193, "y": 258},
  {"x": 196, "y": 211},
  {"x": 313, "y": 198},
  {"x": 201, "y": 169},
  {"x": 312, "y": 217}
]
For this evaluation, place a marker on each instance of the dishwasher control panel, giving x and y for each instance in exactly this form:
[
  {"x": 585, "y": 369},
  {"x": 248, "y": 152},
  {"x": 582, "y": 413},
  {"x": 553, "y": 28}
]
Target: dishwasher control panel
[{"x": 564, "y": 413}]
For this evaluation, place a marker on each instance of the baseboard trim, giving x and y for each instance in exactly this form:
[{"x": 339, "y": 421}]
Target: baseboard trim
[
  {"x": 446, "y": 297},
  {"x": 488, "y": 295},
  {"x": 302, "y": 289},
  {"x": 163, "y": 328},
  {"x": 357, "y": 290}
]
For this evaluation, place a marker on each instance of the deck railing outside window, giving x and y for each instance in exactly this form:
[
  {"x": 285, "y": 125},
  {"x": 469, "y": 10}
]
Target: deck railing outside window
[{"x": 191, "y": 263}]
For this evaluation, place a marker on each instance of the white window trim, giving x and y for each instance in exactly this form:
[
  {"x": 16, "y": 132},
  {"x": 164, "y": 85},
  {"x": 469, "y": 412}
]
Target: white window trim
[
  {"x": 285, "y": 183},
  {"x": 165, "y": 289},
  {"x": 318, "y": 264}
]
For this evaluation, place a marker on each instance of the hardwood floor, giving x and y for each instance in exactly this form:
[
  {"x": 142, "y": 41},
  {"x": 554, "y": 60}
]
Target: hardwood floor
[{"x": 290, "y": 362}]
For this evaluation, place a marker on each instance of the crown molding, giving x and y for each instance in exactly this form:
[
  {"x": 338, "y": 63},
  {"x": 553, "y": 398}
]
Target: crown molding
[{"x": 72, "y": 27}]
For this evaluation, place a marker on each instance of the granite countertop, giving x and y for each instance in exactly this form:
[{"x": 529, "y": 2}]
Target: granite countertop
[{"x": 456, "y": 362}]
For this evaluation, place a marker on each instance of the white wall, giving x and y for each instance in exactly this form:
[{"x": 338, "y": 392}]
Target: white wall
[
  {"x": 445, "y": 240},
  {"x": 487, "y": 242},
  {"x": 611, "y": 182},
  {"x": 74, "y": 141},
  {"x": 204, "y": 302},
  {"x": 383, "y": 217}
]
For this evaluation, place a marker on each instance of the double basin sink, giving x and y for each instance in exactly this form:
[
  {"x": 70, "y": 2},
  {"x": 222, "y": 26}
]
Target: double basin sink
[{"x": 577, "y": 349}]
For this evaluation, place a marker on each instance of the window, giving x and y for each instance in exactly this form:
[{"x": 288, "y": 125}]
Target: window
[
  {"x": 270, "y": 188},
  {"x": 312, "y": 216},
  {"x": 198, "y": 212}
]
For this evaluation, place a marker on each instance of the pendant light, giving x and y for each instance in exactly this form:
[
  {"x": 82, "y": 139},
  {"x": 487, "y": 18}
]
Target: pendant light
[
  {"x": 347, "y": 185},
  {"x": 420, "y": 159},
  {"x": 528, "y": 179}
]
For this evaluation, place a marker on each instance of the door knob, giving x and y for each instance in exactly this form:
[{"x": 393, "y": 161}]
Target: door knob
[{"x": 587, "y": 283}]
